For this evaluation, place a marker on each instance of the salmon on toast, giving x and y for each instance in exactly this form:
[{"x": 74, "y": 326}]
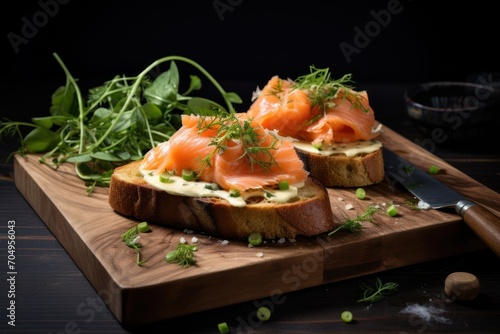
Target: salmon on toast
[
  {"x": 227, "y": 176},
  {"x": 333, "y": 126},
  {"x": 232, "y": 151},
  {"x": 315, "y": 108}
]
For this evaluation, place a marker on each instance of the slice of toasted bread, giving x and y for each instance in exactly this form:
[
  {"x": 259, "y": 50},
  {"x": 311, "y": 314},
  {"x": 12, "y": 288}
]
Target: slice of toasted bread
[
  {"x": 340, "y": 170},
  {"x": 309, "y": 214}
]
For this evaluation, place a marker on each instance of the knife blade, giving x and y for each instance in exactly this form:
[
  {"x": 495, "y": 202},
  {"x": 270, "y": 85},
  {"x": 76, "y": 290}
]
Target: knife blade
[{"x": 428, "y": 189}]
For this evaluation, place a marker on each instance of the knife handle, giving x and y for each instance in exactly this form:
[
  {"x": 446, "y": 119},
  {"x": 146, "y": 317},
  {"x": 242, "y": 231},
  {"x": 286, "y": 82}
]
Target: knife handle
[{"x": 483, "y": 222}]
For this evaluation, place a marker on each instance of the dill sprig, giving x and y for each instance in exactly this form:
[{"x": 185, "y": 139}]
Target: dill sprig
[
  {"x": 230, "y": 128},
  {"x": 374, "y": 294},
  {"x": 323, "y": 89},
  {"x": 354, "y": 225},
  {"x": 183, "y": 255}
]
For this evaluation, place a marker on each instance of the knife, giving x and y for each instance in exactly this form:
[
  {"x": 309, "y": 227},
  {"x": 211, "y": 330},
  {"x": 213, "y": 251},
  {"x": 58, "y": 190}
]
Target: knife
[{"x": 429, "y": 190}]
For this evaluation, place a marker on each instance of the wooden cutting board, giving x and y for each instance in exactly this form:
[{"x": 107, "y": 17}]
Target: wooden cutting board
[{"x": 230, "y": 273}]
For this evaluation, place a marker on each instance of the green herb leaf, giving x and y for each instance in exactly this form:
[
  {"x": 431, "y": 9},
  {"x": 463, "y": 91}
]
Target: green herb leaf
[{"x": 41, "y": 140}]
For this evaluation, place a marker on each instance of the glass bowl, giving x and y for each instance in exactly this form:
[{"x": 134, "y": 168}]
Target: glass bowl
[{"x": 453, "y": 111}]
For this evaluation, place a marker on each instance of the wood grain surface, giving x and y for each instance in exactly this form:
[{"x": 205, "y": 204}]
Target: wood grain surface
[{"x": 226, "y": 274}]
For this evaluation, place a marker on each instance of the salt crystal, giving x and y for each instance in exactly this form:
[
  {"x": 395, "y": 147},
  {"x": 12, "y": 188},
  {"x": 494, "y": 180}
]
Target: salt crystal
[
  {"x": 224, "y": 242},
  {"x": 423, "y": 205},
  {"x": 260, "y": 254},
  {"x": 349, "y": 207},
  {"x": 427, "y": 313},
  {"x": 182, "y": 240}
]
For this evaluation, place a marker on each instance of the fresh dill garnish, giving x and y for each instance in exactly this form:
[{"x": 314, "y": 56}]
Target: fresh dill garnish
[
  {"x": 183, "y": 255},
  {"x": 354, "y": 225},
  {"x": 373, "y": 294},
  {"x": 231, "y": 128},
  {"x": 131, "y": 238},
  {"x": 323, "y": 89}
]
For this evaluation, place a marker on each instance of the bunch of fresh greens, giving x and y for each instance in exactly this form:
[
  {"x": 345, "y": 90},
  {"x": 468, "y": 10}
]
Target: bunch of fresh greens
[{"x": 117, "y": 122}]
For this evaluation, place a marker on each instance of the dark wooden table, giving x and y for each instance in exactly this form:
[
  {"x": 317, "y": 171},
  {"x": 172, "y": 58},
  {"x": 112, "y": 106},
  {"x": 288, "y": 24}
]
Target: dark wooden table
[{"x": 53, "y": 296}]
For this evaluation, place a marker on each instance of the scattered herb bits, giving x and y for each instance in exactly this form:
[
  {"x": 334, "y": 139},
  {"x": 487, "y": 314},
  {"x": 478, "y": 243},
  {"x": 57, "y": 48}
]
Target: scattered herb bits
[
  {"x": 263, "y": 313},
  {"x": 354, "y": 225},
  {"x": 346, "y": 316},
  {"x": 223, "y": 328},
  {"x": 255, "y": 239},
  {"x": 392, "y": 210},
  {"x": 183, "y": 255},
  {"x": 360, "y": 193},
  {"x": 131, "y": 238}
]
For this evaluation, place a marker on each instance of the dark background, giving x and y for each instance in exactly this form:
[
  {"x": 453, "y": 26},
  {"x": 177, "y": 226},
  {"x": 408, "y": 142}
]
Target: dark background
[{"x": 242, "y": 45}]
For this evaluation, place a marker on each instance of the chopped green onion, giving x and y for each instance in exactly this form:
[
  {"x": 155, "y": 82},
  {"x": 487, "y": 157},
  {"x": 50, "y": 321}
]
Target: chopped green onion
[
  {"x": 392, "y": 210},
  {"x": 234, "y": 193},
  {"x": 212, "y": 186},
  {"x": 188, "y": 175},
  {"x": 433, "y": 169},
  {"x": 283, "y": 185},
  {"x": 346, "y": 316},
  {"x": 143, "y": 227},
  {"x": 165, "y": 178},
  {"x": 263, "y": 313},
  {"x": 255, "y": 239},
  {"x": 360, "y": 193},
  {"x": 223, "y": 328}
]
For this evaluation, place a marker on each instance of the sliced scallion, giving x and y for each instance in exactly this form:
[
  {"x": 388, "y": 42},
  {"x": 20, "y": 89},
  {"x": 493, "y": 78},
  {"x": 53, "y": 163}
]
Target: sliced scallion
[
  {"x": 283, "y": 185},
  {"x": 433, "y": 169},
  {"x": 360, "y": 193},
  {"x": 188, "y": 174},
  {"x": 392, "y": 210},
  {"x": 165, "y": 178},
  {"x": 255, "y": 239},
  {"x": 263, "y": 313}
]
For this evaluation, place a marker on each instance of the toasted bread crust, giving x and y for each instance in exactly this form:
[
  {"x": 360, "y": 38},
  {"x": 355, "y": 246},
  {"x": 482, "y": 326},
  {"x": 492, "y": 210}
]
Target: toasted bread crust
[
  {"x": 339, "y": 170},
  {"x": 310, "y": 214}
]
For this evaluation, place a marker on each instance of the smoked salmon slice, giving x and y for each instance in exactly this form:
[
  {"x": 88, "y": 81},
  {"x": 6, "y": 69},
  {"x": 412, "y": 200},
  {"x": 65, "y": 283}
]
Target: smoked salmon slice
[
  {"x": 315, "y": 108},
  {"x": 233, "y": 151}
]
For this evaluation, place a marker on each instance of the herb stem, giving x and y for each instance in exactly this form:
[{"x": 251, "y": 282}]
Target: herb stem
[{"x": 70, "y": 78}]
